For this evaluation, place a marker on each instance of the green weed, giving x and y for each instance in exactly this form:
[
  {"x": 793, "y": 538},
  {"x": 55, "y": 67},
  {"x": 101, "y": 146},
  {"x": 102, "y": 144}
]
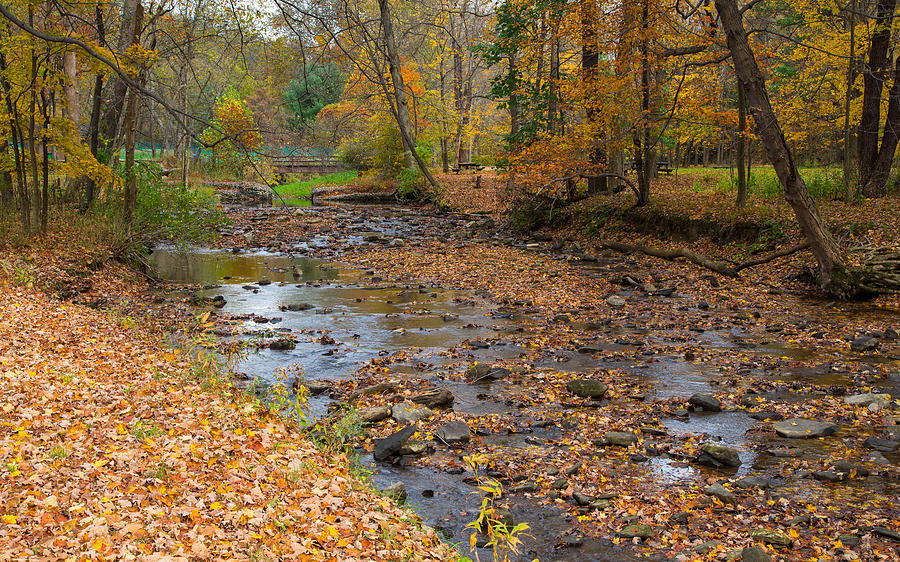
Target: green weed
[{"x": 142, "y": 430}]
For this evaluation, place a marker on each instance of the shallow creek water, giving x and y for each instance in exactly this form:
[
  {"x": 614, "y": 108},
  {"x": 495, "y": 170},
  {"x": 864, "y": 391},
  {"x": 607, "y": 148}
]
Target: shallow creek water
[{"x": 363, "y": 321}]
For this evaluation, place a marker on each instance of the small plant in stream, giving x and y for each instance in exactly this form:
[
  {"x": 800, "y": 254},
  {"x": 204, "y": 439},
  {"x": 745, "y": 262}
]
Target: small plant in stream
[{"x": 504, "y": 538}]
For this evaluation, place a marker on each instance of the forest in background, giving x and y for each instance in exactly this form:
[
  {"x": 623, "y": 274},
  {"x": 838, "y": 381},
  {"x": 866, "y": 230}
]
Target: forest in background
[{"x": 566, "y": 99}]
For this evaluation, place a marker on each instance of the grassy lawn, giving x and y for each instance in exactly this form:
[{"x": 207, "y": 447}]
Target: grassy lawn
[
  {"x": 825, "y": 183},
  {"x": 298, "y": 193}
]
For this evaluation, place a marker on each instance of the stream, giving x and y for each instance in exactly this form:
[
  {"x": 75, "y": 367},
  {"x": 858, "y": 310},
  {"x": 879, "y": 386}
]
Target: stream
[{"x": 340, "y": 318}]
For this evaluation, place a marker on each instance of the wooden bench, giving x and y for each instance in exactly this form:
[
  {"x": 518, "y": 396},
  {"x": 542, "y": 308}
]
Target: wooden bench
[
  {"x": 661, "y": 166},
  {"x": 468, "y": 166}
]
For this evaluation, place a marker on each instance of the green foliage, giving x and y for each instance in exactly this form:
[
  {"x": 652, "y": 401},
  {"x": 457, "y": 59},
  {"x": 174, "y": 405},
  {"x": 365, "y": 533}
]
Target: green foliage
[
  {"x": 316, "y": 86},
  {"x": 503, "y": 539},
  {"x": 409, "y": 183},
  {"x": 175, "y": 212},
  {"x": 143, "y": 430}
]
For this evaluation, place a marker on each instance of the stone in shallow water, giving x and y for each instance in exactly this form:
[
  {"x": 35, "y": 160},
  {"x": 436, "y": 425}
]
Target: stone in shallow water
[
  {"x": 798, "y": 428},
  {"x": 453, "y": 432},
  {"x": 374, "y": 414},
  {"x": 615, "y": 301},
  {"x": 407, "y": 412},
  {"x": 707, "y": 402},
  {"x": 719, "y": 491},
  {"x": 587, "y": 388},
  {"x": 721, "y": 454},
  {"x": 636, "y": 530},
  {"x": 883, "y": 445},
  {"x": 873, "y": 402},
  {"x": 755, "y": 554},
  {"x": 390, "y": 445},
  {"x": 620, "y": 438}
]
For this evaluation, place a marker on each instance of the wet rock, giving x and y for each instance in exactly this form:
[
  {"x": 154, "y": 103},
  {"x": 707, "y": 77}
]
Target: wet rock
[
  {"x": 620, "y": 438},
  {"x": 637, "y": 457},
  {"x": 848, "y": 468},
  {"x": 438, "y": 398},
  {"x": 573, "y": 470},
  {"x": 891, "y": 334},
  {"x": 883, "y": 445},
  {"x": 453, "y": 432},
  {"x": 801, "y": 520},
  {"x": 798, "y": 428},
  {"x": 525, "y": 488},
  {"x": 390, "y": 445},
  {"x": 477, "y": 371},
  {"x": 283, "y": 344},
  {"x": 863, "y": 344},
  {"x": 718, "y": 491},
  {"x": 828, "y": 475},
  {"x": 374, "y": 414},
  {"x": 296, "y": 307},
  {"x": 582, "y": 499},
  {"x": 316, "y": 388},
  {"x": 748, "y": 482},
  {"x": 769, "y": 536},
  {"x": 705, "y": 401},
  {"x": 636, "y": 530},
  {"x": 412, "y": 447},
  {"x": 615, "y": 301},
  {"x": 721, "y": 454},
  {"x": 218, "y": 301},
  {"x": 886, "y": 533},
  {"x": 407, "y": 412},
  {"x": 767, "y": 415},
  {"x": 587, "y": 388},
  {"x": 559, "y": 484},
  {"x": 755, "y": 554},
  {"x": 571, "y": 541},
  {"x": 704, "y": 548},
  {"x": 873, "y": 402},
  {"x": 397, "y": 491},
  {"x": 375, "y": 389},
  {"x": 449, "y": 317},
  {"x": 680, "y": 518},
  {"x": 263, "y": 282},
  {"x": 848, "y": 540}
]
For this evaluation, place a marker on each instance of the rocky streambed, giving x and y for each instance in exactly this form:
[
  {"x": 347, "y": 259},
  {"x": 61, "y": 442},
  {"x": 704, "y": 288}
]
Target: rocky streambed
[{"x": 624, "y": 407}]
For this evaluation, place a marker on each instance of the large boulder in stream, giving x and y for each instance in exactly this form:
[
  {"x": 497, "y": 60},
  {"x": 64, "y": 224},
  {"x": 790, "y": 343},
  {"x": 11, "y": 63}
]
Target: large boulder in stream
[
  {"x": 717, "y": 455},
  {"x": 453, "y": 432},
  {"x": 437, "y": 398},
  {"x": 587, "y": 388},
  {"x": 407, "y": 412},
  {"x": 799, "y": 428},
  {"x": 391, "y": 445}
]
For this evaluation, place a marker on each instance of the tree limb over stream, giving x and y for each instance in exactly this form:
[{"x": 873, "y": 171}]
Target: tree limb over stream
[{"x": 717, "y": 266}]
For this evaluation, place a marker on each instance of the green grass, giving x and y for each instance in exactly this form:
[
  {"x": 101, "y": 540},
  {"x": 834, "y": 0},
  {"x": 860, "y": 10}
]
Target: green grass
[
  {"x": 823, "y": 183},
  {"x": 298, "y": 193}
]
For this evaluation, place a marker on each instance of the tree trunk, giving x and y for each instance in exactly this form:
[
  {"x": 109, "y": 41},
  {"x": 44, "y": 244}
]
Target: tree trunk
[
  {"x": 875, "y": 78},
  {"x": 553, "y": 118},
  {"x": 130, "y": 124},
  {"x": 832, "y": 272},
  {"x": 111, "y": 117},
  {"x": 642, "y": 145},
  {"x": 590, "y": 60},
  {"x": 876, "y": 185},
  {"x": 94, "y": 126},
  {"x": 6, "y": 182},
  {"x": 401, "y": 105},
  {"x": 741, "y": 142},
  {"x": 848, "y": 95},
  {"x": 513, "y": 118}
]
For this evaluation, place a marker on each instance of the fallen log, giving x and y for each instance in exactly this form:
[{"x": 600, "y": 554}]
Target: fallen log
[{"x": 717, "y": 266}]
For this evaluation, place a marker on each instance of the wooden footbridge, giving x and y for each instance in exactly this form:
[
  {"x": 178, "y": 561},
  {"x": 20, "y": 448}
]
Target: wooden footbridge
[{"x": 292, "y": 164}]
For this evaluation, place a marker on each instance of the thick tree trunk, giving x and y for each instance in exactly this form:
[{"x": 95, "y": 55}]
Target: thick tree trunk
[
  {"x": 741, "y": 142},
  {"x": 848, "y": 96},
  {"x": 876, "y": 185},
  {"x": 875, "y": 78},
  {"x": 513, "y": 119},
  {"x": 130, "y": 124},
  {"x": 94, "y": 126},
  {"x": 832, "y": 271}
]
